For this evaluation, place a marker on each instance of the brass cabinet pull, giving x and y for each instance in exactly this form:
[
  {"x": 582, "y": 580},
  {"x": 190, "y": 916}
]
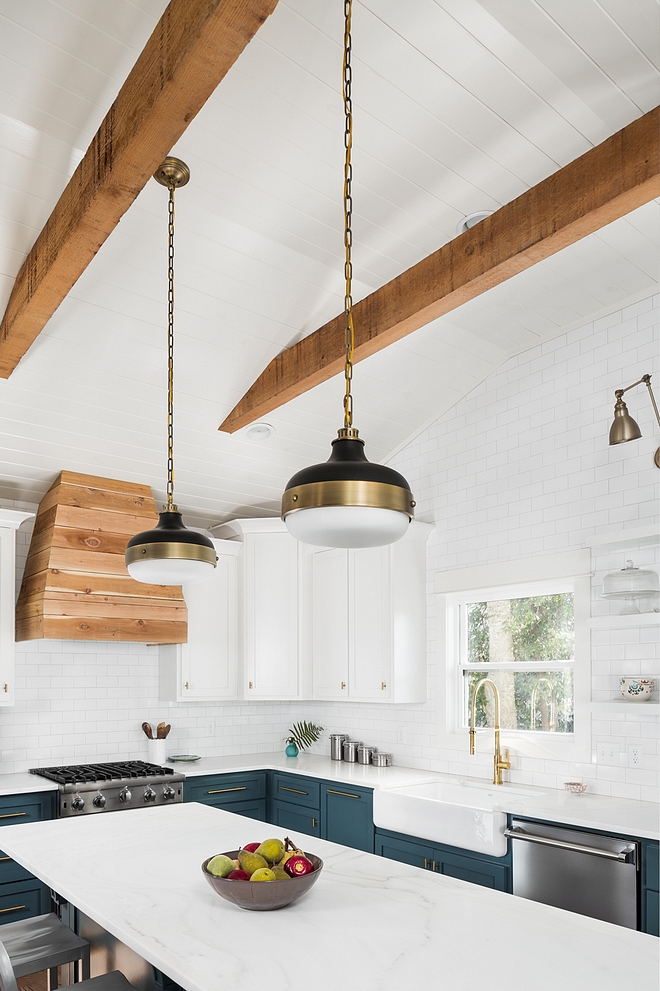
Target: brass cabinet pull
[
  {"x": 4, "y": 858},
  {"x": 296, "y": 790},
  {"x": 6, "y": 688},
  {"x": 221, "y": 791},
  {"x": 14, "y": 908},
  {"x": 433, "y": 865},
  {"x": 427, "y": 863},
  {"x": 383, "y": 686},
  {"x": 313, "y": 822},
  {"x": 346, "y": 794},
  {"x": 249, "y": 684},
  {"x": 12, "y": 815},
  {"x": 343, "y": 684},
  {"x": 186, "y": 686}
]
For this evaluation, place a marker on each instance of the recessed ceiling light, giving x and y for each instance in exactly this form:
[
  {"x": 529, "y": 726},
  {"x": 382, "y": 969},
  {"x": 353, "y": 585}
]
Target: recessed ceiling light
[
  {"x": 259, "y": 432},
  {"x": 472, "y": 218}
]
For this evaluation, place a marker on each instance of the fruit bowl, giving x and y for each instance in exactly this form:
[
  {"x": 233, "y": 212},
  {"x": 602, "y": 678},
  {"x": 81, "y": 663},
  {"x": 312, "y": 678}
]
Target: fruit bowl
[{"x": 263, "y": 896}]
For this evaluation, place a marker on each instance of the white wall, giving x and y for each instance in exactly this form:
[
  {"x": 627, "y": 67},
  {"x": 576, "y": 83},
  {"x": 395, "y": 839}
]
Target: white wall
[{"x": 519, "y": 467}]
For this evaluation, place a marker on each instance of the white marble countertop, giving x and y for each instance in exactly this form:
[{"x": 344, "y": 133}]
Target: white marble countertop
[
  {"x": 368, "y": 923},
  {"x": 616, "y": 815}
]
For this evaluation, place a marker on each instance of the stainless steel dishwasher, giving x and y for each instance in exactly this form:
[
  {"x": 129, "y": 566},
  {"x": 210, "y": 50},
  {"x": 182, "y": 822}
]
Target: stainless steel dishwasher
[{"x": 582, "y": 872}]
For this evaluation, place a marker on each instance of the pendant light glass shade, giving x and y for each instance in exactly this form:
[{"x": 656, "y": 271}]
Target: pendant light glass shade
[
  {"x": 347, "y": 501},
  {"x": 170, "y": 554}
]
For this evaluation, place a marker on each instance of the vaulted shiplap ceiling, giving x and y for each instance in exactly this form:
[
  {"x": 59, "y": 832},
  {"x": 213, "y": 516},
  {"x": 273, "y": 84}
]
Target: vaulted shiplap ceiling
[{"x": 460, "y": 105}]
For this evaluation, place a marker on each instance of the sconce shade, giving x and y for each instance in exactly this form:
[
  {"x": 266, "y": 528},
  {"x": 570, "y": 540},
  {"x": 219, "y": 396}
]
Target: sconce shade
[
  {"x": 623, "y": 428},
  {"x": 170, "y": 554},
  {"x": 347, "y": 501}
]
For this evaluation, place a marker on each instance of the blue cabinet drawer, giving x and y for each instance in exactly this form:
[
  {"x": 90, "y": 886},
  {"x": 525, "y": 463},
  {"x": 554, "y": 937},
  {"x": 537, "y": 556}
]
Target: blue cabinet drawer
[
  {"x": 405, "y": 851},
  {"x": 23, "y": 900},
  {"x": 223, "y": 789},
  {"x": 26, "y": 808},
  {"x": 472, "y": 869},
  {"x": 297, "y": 819},
  {"x": 11, "y": 871},
  {"x": 296, "y": 791}
]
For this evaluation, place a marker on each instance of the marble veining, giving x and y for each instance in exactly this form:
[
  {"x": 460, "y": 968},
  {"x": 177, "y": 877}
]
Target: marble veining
[{"x": 369, "y": 924}]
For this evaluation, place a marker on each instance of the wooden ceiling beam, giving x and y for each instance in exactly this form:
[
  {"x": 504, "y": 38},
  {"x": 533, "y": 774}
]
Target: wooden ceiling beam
[
  {"x": 192, "y": 48},
  {"x": 601, "y": 186}
]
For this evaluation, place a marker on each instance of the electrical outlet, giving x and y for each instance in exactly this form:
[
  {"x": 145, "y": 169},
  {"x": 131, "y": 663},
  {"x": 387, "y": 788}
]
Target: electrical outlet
[
  {"x": 608, "y": 754},
  {"x": 402, "y": 734},
  {"x": 210, "y": 727},
  {"x": 635, "y": 755}
]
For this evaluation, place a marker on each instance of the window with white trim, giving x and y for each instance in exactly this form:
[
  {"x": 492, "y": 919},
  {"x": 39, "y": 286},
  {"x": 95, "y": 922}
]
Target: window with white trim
[{"x": 522, "y": 638}]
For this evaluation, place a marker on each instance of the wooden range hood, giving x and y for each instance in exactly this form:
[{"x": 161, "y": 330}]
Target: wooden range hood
[{"x": 76, "y": 586}]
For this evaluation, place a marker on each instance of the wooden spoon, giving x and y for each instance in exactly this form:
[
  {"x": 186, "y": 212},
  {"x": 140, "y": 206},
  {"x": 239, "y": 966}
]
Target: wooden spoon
[
  {"x": 159, "y": 731},
  {"x": 148, "y": 732},
  {"x": 166, "y": 731}
]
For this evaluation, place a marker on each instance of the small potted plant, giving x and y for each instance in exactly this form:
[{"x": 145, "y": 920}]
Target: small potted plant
[{"x": 301, "y": 735}]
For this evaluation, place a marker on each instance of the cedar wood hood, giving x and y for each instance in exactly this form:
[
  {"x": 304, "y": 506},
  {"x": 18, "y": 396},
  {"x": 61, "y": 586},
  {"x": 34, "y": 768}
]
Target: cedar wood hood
[{"x": 76, "y": 586}]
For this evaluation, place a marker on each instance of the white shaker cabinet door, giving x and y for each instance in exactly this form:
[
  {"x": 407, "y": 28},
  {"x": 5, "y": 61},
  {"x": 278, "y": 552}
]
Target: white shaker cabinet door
[
  {"x": 205, "y": 668},
  {"x": 370, "y": 623},
  {"x": 270, "y": 627},
  {"x": 10, "y": 520},
  {"x": 330, "y": 624}
]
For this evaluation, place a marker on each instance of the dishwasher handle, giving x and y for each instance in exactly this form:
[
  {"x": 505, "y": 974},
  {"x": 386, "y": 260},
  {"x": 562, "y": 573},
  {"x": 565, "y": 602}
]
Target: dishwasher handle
[{"x": 627, "y": 856}]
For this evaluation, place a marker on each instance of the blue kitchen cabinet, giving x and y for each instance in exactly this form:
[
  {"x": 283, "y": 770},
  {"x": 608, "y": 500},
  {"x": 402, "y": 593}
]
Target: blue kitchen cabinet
[
  {"x": 490, "y": 872},
  {"x": 21, "y": 894},
  {"x": 296, "y": 803},
  {"x": 296, "y": 818},
  {"x": 650, "y": 885},
  {"x": 243, "y": 793},
  {"x": 347, "y": 815}
]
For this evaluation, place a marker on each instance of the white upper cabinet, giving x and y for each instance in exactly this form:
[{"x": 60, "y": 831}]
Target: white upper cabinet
[
  {"x": 270, "y": 614},
  {"x": 205, "y": 668},
  {"x": 368, "y": 619},
  {"x": 10, "y": 520}
]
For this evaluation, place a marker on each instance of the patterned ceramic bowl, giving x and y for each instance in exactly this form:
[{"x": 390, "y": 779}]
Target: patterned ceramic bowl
[
  {"x": 577, "y": 787},
  {"x": 636, "y": 689},
  {"x": 263, "y": 896}
]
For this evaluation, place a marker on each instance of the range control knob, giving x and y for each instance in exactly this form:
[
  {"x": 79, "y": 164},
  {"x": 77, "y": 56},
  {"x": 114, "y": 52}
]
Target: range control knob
[
  {"x": 99, "y": 801},
  {"x": 149, "y": 794},
  {"x": 125, "y": 795},
  {"x": 77, "y": 803},
  {"x": 169, "y": 793}
]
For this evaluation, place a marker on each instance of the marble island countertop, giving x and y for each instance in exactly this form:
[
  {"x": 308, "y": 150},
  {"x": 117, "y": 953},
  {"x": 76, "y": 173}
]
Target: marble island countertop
[
  {"x": 617, "y": 815},
  {"x": 369, "y": 924}
]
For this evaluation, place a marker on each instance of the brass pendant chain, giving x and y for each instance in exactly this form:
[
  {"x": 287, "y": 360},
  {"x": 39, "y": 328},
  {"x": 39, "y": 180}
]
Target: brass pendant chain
[
  {"x": 349, "y": 331},
  {"x": 170, "y": 353}
]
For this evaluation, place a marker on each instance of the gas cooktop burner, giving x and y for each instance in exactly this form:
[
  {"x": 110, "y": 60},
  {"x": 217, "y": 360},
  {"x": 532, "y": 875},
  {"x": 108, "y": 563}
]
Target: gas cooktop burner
[
  {"x": 126, "y": 784},
  {"x": 92, "y": 773}
]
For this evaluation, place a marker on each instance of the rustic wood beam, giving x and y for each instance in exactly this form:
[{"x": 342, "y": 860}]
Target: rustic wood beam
[
  {"x": 192, "y": 48},
  {"x": 602, "y": 185}
]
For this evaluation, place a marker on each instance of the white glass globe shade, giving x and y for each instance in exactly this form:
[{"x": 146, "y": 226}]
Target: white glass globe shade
[
  {"x": 170, "y": 571},
  {"x": 347, "y": 526}
]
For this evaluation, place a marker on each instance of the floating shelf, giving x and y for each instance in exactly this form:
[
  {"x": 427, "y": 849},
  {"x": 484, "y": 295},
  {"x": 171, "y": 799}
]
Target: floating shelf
[
  {"x": 625, "y": 538},
  {"x": 614, "y": 706},
  {"x": 626, "y": 622}
]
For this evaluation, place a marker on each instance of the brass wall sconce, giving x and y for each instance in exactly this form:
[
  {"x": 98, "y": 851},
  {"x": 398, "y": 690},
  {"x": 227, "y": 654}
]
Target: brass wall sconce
[{"x": 624, "y": 428}]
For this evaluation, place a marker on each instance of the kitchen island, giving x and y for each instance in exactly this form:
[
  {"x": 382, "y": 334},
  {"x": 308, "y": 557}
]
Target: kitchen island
[{"x": 368, "y": 924}]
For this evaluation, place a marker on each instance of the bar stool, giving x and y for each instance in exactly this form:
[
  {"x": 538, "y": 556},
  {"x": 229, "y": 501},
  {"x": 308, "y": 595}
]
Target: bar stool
[
  {"x": 44, "y": 943},
  {"x": 107, "y": 982}
]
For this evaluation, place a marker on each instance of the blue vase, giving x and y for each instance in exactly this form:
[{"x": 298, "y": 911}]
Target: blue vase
[{"x": 291, "y": 750}]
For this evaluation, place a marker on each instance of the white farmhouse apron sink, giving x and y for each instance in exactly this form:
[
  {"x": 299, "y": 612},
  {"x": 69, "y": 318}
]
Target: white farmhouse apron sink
[{"x": 459, "y": 813}]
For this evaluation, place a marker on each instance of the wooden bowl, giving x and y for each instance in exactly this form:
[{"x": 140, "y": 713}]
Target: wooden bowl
[{"x": 262, "y": 896}]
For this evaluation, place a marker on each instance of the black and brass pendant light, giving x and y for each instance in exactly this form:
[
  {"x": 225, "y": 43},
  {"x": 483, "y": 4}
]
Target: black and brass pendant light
[
  {"x": 347, "y": 501},
  {"x": 170, "y": 554}
]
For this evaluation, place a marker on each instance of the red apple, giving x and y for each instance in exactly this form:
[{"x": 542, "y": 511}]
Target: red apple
[
  {"x": 238, "y": 875},
  {"x": 251, "y": 847},
  {"x": 298, "y": 865}
]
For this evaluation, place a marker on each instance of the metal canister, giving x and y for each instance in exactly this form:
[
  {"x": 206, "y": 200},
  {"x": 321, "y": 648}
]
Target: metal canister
[
  {"x": 336, "y": 745},
  {"x": 364, "y": 754},
  {"x": 381, "y": 759},
  {"x": 350, "y": 748}
]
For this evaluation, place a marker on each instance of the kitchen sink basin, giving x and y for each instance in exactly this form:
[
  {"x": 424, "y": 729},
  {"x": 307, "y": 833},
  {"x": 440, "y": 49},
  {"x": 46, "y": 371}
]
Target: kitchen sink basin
[{"x": 460, "y": 813}]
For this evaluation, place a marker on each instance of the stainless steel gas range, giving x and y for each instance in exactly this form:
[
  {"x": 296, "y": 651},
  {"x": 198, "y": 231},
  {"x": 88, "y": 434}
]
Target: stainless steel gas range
[{"x": 133, "y": 784}]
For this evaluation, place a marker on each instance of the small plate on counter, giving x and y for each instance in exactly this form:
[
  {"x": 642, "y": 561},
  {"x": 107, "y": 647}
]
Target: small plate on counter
[{"x": 183, "y": 758}]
